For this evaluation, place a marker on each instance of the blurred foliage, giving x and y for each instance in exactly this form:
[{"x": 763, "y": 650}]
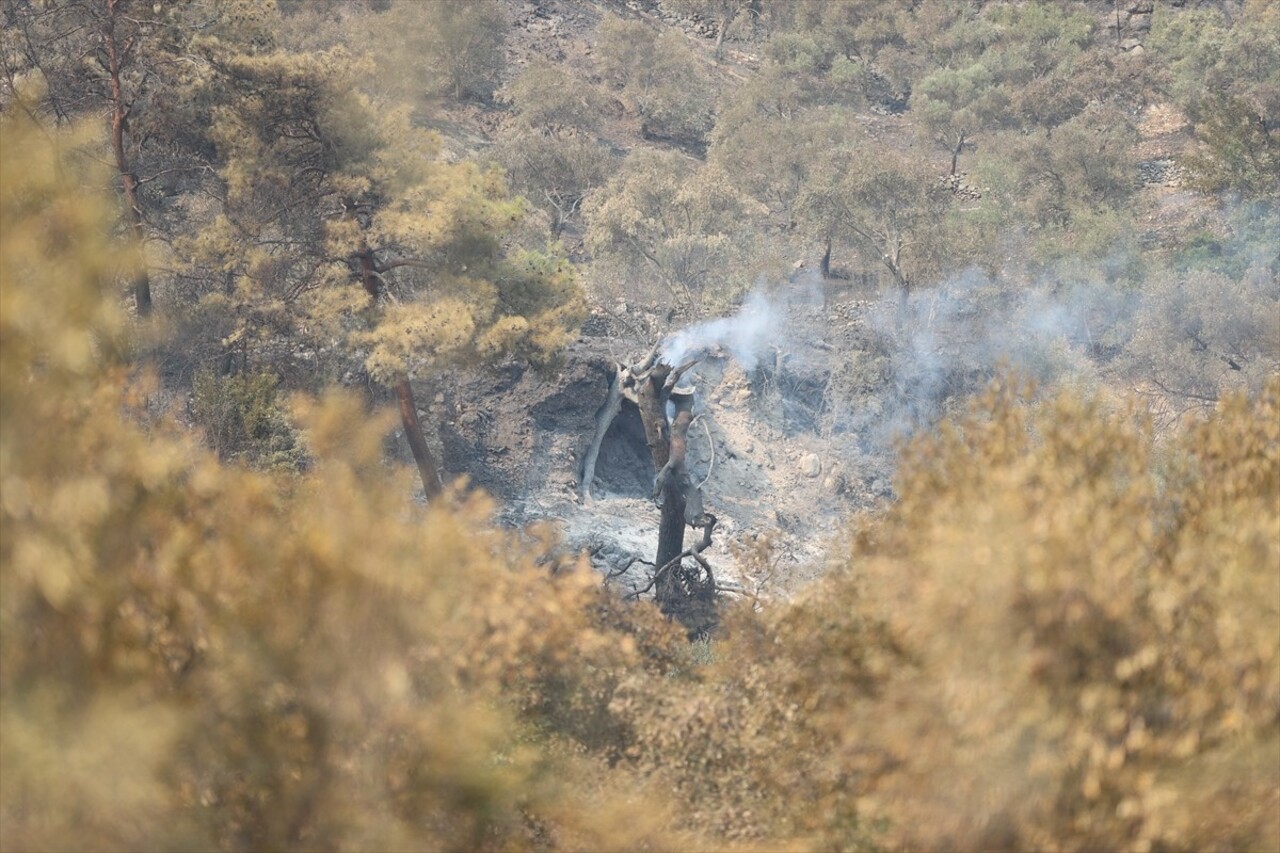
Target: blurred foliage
[
  {"x": 451, "y": 49},
  {"x": 243, "y": 418},
  {"x": 1090, "y": 614},
  {"x": 1061, "y": 636},
  {"x": 195, "y": 656}
]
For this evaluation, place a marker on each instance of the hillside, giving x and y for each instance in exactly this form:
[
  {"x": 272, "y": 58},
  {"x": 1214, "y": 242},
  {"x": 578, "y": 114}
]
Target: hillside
[
  {"x": 844, "y": 401},
  {"x": 639, "y": 425}
]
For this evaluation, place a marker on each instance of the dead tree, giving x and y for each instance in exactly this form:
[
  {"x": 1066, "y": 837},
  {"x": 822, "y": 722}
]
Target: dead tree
[{"x": 683, "y": 582}]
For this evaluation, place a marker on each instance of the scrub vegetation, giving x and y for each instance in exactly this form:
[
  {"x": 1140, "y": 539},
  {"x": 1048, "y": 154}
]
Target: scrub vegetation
[{"x": 242, "y": 242}]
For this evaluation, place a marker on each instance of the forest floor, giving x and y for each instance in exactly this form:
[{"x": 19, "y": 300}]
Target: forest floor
[
  {"x": 775, "y": 468},
  {"x": 771, "y": 468}
]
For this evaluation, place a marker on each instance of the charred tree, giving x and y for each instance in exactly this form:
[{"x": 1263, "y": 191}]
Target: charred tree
[
  {"x": 683, "y": 583},
  {"x": 604, "y": 417}
]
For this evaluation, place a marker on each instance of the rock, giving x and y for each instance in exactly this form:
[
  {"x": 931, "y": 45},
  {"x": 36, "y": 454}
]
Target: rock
[
  {"x": 834, "y": 484},
  {"x": 1130, "y": 44},
  {"x": 810, "y": 465}
]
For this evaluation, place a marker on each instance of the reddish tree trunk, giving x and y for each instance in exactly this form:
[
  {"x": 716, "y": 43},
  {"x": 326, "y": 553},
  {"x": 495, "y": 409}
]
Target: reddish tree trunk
[
  {"x": 427, "y": 468},
  {"x": 417, "y": 441}
]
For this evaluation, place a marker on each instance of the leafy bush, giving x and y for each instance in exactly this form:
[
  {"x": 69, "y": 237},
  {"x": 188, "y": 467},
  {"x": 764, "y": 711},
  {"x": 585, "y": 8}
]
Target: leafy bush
[
  {"x": 192, "y": 656},
  {"x": 659, "y": 76},
  {"x": 243, "y": 419},
  {"x": 1061, "y": 635}
]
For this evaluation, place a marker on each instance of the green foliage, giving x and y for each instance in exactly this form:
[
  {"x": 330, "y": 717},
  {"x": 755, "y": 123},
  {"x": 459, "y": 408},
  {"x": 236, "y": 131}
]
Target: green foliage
[
  {"x": 320, "y": 180},
  {"x": 954, "y": 105},
  {"x": 771, "y": 153},
  {"x": 555, "y": 173},
  {"x": 892, "y": 212},
  {"x": 1226, "y": 74},
  {"x": 453, "y": 49},
  {"x": 243, "y": 418},
  {"x": 1083, "y": 169},
  {"x": 665, "y": 216},
  {"x": 658, "y": 76},
  {"x": 1061, "y": 635},
  {"x": 1238, "y": 151},
  {"x": 541, "y": 99}
]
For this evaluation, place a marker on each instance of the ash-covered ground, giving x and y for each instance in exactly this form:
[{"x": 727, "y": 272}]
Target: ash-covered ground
[{"x": 771, "y": 440}]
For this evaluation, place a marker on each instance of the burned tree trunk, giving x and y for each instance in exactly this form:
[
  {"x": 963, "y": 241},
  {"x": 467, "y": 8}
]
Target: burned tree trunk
[
  {"x": 417, "y": 441},
  {"x": 666, "y": 412},
  {"x": 604, "y": 417},
  {"x": 686, "y": 594},
  {"x": 667, "y": 441}
]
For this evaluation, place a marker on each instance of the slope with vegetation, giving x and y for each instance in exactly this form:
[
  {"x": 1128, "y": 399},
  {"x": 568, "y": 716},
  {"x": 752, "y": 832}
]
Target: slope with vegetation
[{"x": 1030, "y": 251}]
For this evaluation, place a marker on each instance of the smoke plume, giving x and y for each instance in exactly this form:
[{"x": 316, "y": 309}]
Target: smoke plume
[{"x": 744, "y": 336}]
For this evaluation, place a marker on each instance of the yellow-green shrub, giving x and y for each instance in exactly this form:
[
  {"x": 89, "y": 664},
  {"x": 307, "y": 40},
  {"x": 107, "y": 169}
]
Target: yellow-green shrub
[
  {"x": 197, "y": 655},
  {"x": 1091, "y": 613},
  {"x": 1062, "y": 635}
]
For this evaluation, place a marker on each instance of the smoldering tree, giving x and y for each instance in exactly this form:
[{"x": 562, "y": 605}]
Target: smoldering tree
[{"x": 683, "y": 582}]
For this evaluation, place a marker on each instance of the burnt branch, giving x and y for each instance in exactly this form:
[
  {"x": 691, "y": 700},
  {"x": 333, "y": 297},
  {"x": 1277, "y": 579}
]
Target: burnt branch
[
  {"x": 604, "y": 418},
  {"x": 624, "y": 568}
]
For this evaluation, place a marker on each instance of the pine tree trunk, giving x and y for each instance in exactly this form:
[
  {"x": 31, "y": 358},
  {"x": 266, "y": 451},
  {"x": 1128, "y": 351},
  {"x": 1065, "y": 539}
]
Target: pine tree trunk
[
  {"x": 427, "y": 468},
  {"x": 128, "y": 179},
  {"x": 417, "y": 441}
]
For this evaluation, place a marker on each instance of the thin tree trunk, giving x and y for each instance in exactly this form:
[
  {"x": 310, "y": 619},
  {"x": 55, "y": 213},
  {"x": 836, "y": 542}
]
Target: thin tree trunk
[
  {"x": 904, "y": 287},
  {"x": 128, "y": 179},
  {"x": 417, "y": 441},
  {"x": 427, "y": 468},
  {"x": 675, "y": 488}
]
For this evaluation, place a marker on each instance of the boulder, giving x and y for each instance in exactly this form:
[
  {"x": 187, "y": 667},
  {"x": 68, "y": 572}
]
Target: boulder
[{"x": 809, "y": 465}]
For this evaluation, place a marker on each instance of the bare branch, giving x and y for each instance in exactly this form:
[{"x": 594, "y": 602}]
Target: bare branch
[
  {"x": 711, "y": 466},
  {"x": 622, "y": 570},
  {"x": 674, "y": 376},
  {"x": 1187, "y": 394}
]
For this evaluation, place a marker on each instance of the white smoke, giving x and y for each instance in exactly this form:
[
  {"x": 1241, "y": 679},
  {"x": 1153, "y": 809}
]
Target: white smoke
[{"x": 745, "y": 335}]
